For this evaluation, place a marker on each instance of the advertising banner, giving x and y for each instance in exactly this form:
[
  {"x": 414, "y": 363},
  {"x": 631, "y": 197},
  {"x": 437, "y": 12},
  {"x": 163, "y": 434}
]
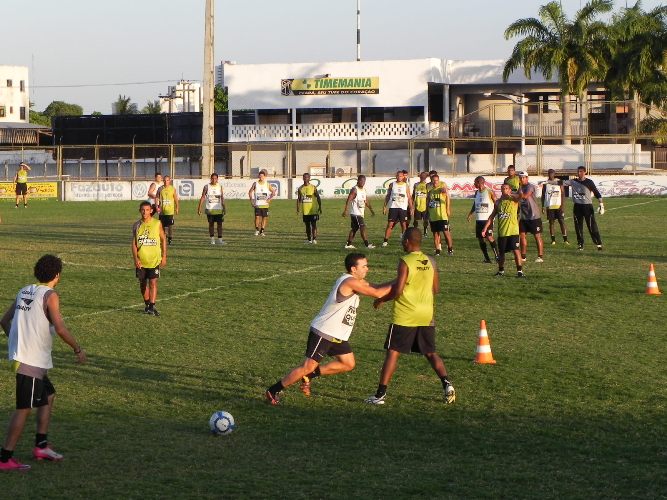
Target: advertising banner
[
  {"x": 41, "y": 190},
  {"x": 98, "y": 191},
  {"x": 330, "y": 86},
  {"x": 191, "y": 189}
]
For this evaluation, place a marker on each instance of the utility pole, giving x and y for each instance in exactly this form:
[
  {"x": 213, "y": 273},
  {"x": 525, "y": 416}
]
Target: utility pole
[
  {"x": 358, "y": 30},
  {"x": 208, "y": 122}
]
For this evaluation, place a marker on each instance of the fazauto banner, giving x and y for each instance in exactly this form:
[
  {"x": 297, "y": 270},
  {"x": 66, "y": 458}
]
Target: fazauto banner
[
  {"x": 42, "y": 190},
  {"x": 98, "y": 191}
]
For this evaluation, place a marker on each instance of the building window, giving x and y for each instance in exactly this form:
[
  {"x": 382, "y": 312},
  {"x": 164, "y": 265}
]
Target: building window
[
  {"x": 2, "y": 112},
  {"x": 22, "y": 85},
  {"x": 395, "y": 114},
  {"x": 11, "y": 110},
  {"x": 9, "y": 83},
  {"x": 22, "y": 113}
]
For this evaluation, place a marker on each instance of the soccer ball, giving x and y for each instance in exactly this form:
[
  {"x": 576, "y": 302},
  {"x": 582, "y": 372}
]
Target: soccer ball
[{"x": 221, "y": 423}]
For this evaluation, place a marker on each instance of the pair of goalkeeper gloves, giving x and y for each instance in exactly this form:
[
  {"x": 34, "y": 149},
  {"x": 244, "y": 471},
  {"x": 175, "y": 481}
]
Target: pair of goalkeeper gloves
[{"x": 601, "y": 209}]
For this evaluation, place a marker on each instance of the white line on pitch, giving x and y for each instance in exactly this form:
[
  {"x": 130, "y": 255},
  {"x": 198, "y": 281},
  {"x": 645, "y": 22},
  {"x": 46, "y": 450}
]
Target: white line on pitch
[
  {"x": 125, "y": 268},
  {"x": 626, "y": 206},
  {"x": 195, "y": 292}
]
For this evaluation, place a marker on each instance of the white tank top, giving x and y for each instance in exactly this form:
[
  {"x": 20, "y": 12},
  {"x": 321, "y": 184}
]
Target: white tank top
[
  {"x": 552, "y": 195},
  {"x": 158, "y": 185},
  {"x": 214, "y": 197},
  {"x": 358, "y": 205},
  {"x": 483, "y": 204},
  {"x": 399, "y": 195},
  {"x": 262, "y": 194},
  {"x": 30, "y": 339},
  {"x": 336, "y": 319}
]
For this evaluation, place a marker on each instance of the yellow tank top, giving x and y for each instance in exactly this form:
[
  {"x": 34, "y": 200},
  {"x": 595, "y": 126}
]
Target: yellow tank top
[
  {"x": 22, "y": 176},
  {"x": 147, "y": 236},
  {"x": 508, "y": 218},
  {"x": 308, "y": 200},
  {"x": 414, "y": 307},
  {"x": 167, "y": 203},
  {"x": 421, "y": 195},
  {"x": 437, "y": 203}
]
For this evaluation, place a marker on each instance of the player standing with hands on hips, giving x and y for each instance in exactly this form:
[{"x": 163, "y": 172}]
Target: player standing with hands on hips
[
  {"x": 149, "y": 249},
  {"x": 30, "y": 323}
]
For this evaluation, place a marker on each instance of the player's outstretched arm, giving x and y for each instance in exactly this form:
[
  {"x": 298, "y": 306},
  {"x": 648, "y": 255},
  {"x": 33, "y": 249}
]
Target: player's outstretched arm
[
  {"x": 398, "y": 285},
  {"x": 362, "y": 287}
]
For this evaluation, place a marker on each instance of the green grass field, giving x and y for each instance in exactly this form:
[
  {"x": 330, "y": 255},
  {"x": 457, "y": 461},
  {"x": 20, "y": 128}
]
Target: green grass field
[{"x": 574, "y": 408}]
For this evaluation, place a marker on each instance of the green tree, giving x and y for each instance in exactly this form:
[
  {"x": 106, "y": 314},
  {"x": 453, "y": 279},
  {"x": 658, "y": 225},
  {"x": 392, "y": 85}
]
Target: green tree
[
  {"x": 124, "y": 106},
  {"x": 60, "y": 108},
  {"x": 220, "y": 99},
  {"x": 152, "y": 108},
  {"x": 575, "y": 50}
]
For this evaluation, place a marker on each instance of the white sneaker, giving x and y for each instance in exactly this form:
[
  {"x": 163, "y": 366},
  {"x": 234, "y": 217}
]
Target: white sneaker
[
  {"x": 539, "y": 260},
  {"x": 262, "y": 234},
  {"x": 523, "y": 259},
  {"x": 370, "y": 246},
  {"x": 314, "y": 242},
  {"x": 385, "y": 243},
  {"x": 221, "y": 242},
  {"x": 450, "y": 394},
  {"x": 212, "y": 241},
  {"x": 349, "y": 247},
  {"x": 256, "y": 233},
  {"x": 373, "y": 400},
  {"x": 307, "y": 242}
]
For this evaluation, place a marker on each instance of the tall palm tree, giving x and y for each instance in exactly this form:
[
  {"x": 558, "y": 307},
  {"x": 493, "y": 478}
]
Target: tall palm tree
[
  {"x": 125, "y": 106},
  {"x": 573, "y": 49},
  {"x": 638, "y": 65}
]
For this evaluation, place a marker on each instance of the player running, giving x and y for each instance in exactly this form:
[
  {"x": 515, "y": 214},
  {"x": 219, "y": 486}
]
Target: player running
[
  {"x": 330, "y": 330},
  {"x": 482, "y": 206},
  {"x": 358, "y": 201},
  {"x": 309, "y": 203}
]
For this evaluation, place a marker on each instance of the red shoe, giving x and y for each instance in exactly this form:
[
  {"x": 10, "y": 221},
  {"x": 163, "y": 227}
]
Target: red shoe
[
  {"x": 273, "y": 399},
  {"x": 46, "y": 454},
  {"x": 305, "y": 386},
  {"x": 13, "y": 464}
]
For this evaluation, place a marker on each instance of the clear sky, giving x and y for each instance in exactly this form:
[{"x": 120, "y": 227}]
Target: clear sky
[{"x": 70, "y": 45}]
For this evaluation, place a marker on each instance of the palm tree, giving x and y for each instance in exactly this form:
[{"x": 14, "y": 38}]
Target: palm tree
[
  {"x": 573, "y": 49},
  {"x": 124, "y": 106},
  {"x": 152, "y": 108},
  {"x": 638, "y": 58}
]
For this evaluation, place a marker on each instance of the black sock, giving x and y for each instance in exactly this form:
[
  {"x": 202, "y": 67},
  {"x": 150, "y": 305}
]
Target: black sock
[
  {"x": 146, "y": 302},
  {"x": 494, "y": 247},
  {"x": 151, "y": 305},
  {"x": 485, "y": 251},
  {"x": 382, "y": 390},
  {"x": 349, "y": 242},
  {"x": 5, "y": 455},
  {"x": 519, "y": 268},
  {"x": 565, "y": 237},
  {"x": 366, "y": 242},
  {"x": 523, "y": 256},
  {"x": 385, "y": 240},
  {"x": 445, "y": 381},
  {"x": 315, "y": 373},
  {"x": 40, "y": 440},
  {"x": 256, "y": 228},
  {"x": 553, "y": 239},
  {"x": 309, "y": 233},
  {"x": 501, "y": 269},
  {"x": 276, "y": 388}
]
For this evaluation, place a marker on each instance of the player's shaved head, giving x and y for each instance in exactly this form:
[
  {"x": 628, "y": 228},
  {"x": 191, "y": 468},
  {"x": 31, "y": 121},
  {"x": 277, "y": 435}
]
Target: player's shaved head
[{"x": 413, "y": 235}]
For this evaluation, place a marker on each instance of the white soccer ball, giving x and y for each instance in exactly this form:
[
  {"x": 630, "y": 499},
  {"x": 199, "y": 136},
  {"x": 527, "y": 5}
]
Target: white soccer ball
[{"x": 221, "y": 423}]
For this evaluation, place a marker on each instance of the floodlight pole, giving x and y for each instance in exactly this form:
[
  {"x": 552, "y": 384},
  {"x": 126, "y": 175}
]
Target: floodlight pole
[
  {"x": 358, "y": 30},
  {"x": 208, "y": 120}
]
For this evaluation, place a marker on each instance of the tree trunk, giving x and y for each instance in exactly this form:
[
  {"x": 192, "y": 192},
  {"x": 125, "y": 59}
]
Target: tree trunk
[{"x": 566, "y": 127}]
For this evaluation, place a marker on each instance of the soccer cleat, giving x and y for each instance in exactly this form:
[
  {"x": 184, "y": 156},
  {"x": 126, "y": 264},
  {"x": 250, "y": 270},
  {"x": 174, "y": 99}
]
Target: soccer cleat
[
  {"x": 580, "y": 247},
  {"x": 154, "y": 312},
  {"x": 599, "y": 248},
  {"x": 370, "y": 246},
  {"x": 314, "y": 242},
  {"x": 349, "y": 246},
  {"x": 147, "y": 310},
  {"x": 212, "y": 240},
  {"x": 486, "y": 261},
  {"x": 272, "y": 399},
  {"x": 450, "y": 252},
  {"x": 262, "y": 234},
  {"x": 46, "y": 454},
  {"x": 305, "y": 386},
  {"x": 307, "y": 242},
  {"x": 256, "y": 233},
  {"x": 553, "y": 242},
  {"x": 539, "y": 259},
  {"x": 221, "y": 241},
  {"x": 17, "y": 206},
  {"x": 437, "y": 253},
  {"x": 168, "y": 241},
  {"x": 384, "y": 243},
  {"x": 12, "y": 463},
  {"x": 500, "y": 274},
  {"x": 374, "y": 400},
  {"x": 519, "y": 274},
  {"x": 450, "y": 394},
  {"x": 566, "y": 242},
  {"x": 523, "y": 259}
]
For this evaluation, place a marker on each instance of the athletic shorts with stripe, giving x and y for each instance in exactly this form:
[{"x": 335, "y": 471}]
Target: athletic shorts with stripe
[
  {"x": 318, "y": 347},
  {"x": 479, "y": 225},
  {"x": 32, "y": 392},
  {"x": 356, "y": 222},
  {"x": 407, "y": 339}
]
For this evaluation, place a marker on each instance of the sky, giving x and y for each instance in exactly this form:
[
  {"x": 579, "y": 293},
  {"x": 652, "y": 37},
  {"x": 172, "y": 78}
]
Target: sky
[{"x": 88, "y": 52}]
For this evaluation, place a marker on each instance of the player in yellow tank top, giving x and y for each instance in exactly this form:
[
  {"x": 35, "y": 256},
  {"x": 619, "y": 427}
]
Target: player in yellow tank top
[
  {"x": 308, "y": 201},
  {"x": 21, "y": 181},
  {"x": 149, "y": 250},
  {"x": 506, "y": 208},
  {"x": 412, "y": 329},
  {"x": 167, "y": 199},
  {"x": 420, "y": 201}
]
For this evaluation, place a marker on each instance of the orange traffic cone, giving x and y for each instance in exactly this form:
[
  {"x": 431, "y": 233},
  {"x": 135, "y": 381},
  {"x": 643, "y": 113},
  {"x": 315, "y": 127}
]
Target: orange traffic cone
[
  {"x": 484, "y": 355},
  {"x": 652, "y": 283}
]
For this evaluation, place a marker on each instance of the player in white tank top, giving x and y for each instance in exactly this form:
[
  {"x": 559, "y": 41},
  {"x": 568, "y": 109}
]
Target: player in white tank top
[
  {"x": 399, "y": 203},
  {"x": 482, "y": 206},
  {"x": 357, "y": 202}
]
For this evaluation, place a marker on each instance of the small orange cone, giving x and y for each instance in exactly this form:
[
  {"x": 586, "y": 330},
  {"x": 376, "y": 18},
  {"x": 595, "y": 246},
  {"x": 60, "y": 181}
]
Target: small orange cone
[
  {"x": 484, "y": 355},
  {"x": 652, "y": 283}
]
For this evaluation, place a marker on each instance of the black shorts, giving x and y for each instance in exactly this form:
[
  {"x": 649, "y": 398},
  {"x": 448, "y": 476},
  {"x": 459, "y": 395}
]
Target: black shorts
[
  {"x": 508, "y": 244},
  {"x": 261, "y": 212},
  {"x": 148, "y": 273},
  {"x": 21, "y": 188},
  {"x": 555, "y": 214},
  {"x": 167, "y": 220},
  {"x": 32, "y": 392},
  {"x": 407, "y": 339},
  {"x": 318, "y": 347},
  {"x": 398, "y": 215},
  {"x": 310, "y": 219},
  {"x": 421, "y": 215},
  {"x": 356, "y": 222},
  {"x": 479, "y": 225},
  {"x": 215, "y": 217},
  {"x": 438, "y": 226},
  {"x": 533, "y": 226}
]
